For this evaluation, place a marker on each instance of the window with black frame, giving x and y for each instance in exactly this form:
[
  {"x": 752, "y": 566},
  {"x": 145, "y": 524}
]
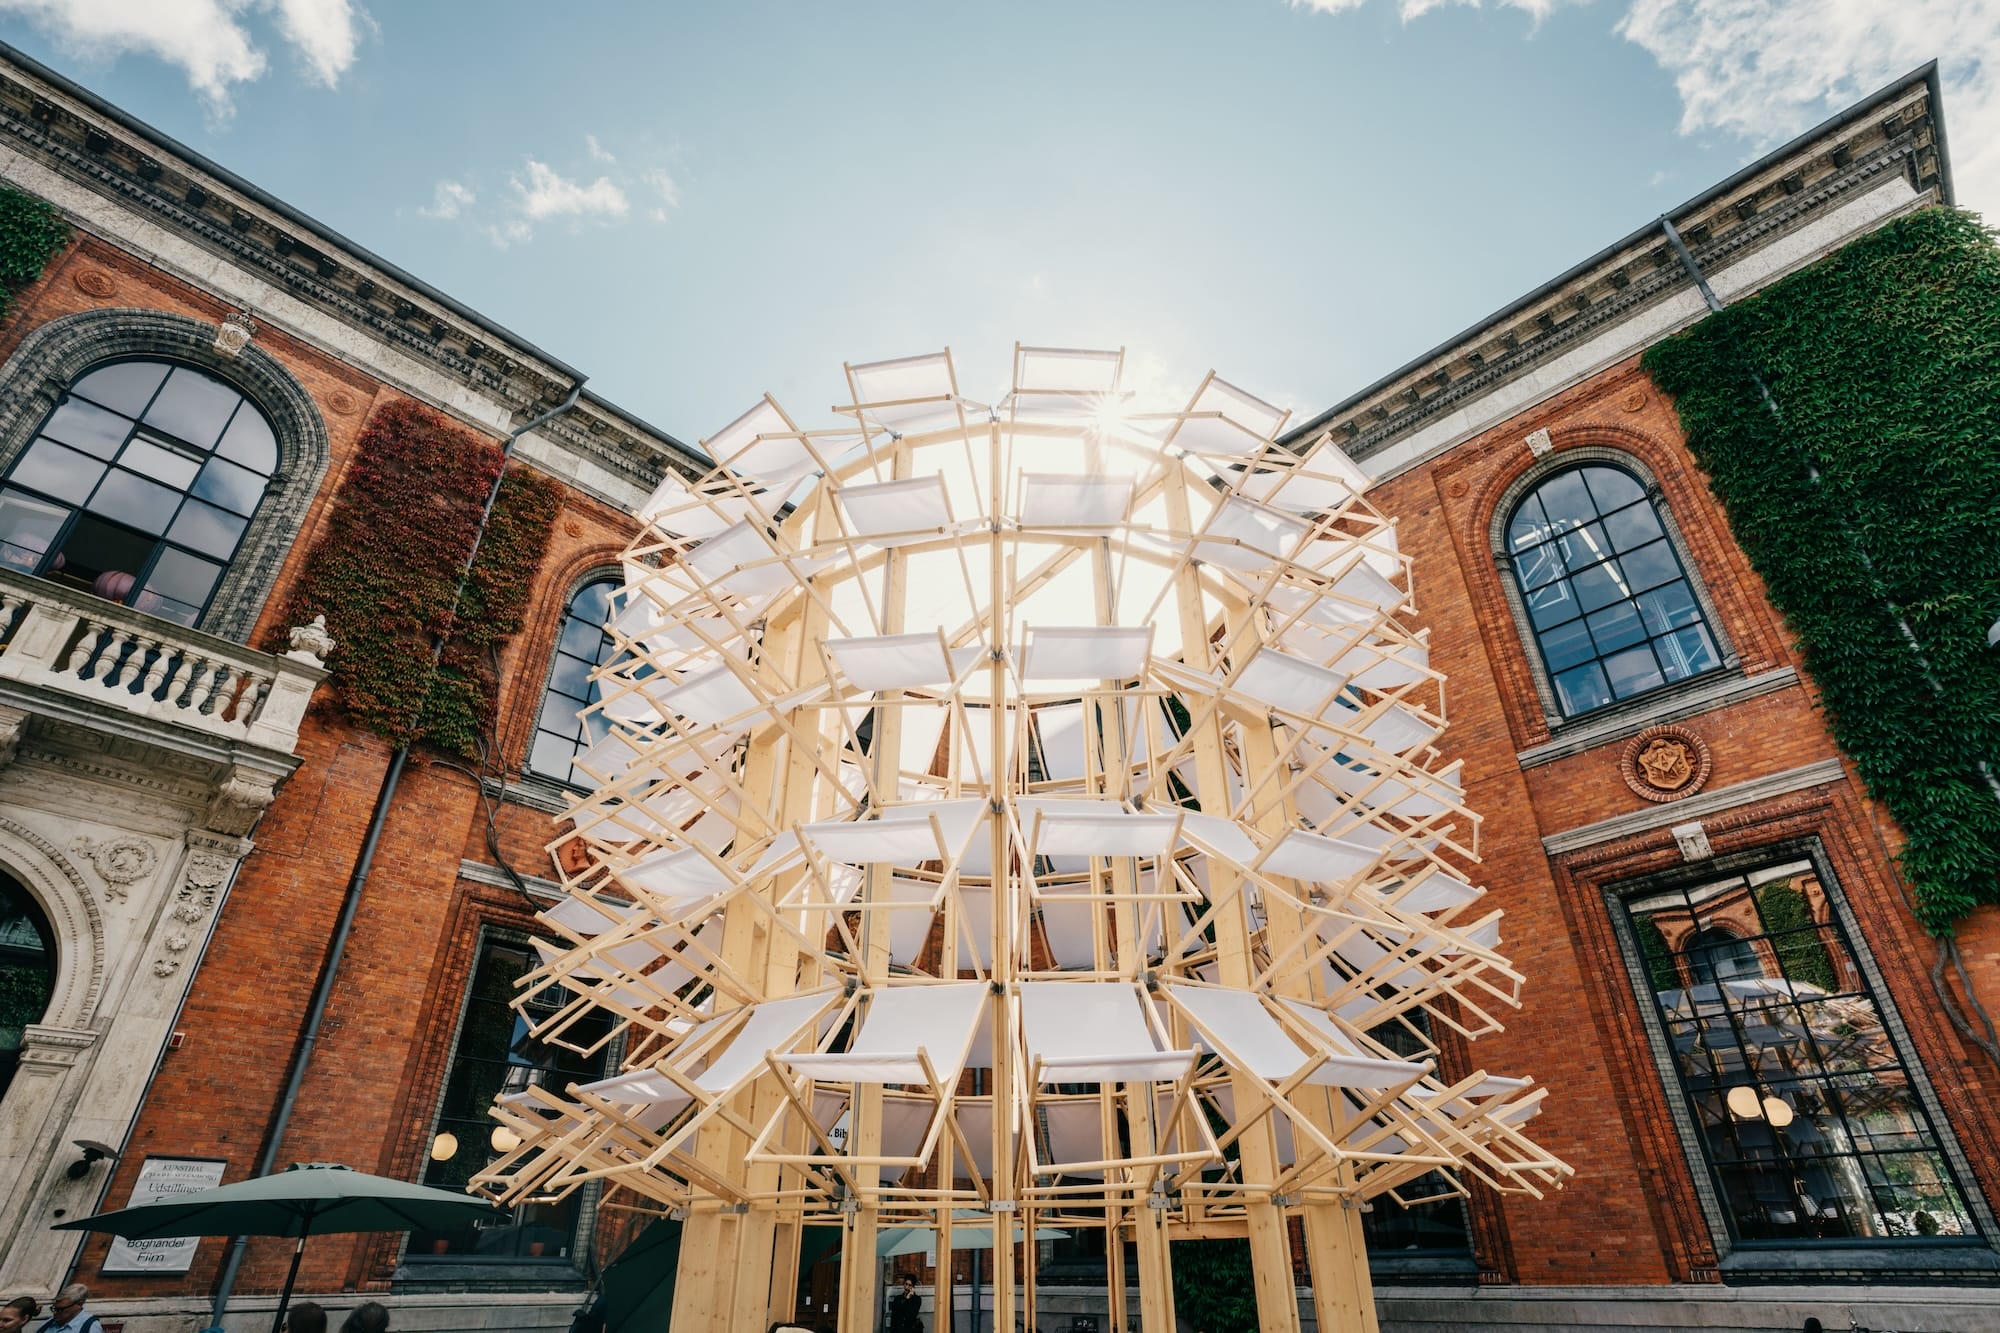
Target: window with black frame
[
  {"x": 561, "y": 734},
  {"x": 27, "y": 972},
  {"x": 1811, "y": 1125},
  {"x": 1434, "y": 1232},
  {"x": 1613, "y": 612},
  {"x": 139, "y": 487},
  {"x": 495, "y": 1055}
]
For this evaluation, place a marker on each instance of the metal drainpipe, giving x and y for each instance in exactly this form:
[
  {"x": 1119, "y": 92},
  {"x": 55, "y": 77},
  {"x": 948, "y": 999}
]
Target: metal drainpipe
[
  {"x": 1847, "y": 534},
  {"x": 358, "y": 881}
]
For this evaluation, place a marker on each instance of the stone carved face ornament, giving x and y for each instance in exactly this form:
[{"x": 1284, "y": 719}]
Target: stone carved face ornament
[{"x": 1080, "y": 634}]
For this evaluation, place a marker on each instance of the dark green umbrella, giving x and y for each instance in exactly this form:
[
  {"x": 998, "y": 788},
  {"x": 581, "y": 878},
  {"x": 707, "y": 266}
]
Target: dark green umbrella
[{"x": 305, "y": 1199}]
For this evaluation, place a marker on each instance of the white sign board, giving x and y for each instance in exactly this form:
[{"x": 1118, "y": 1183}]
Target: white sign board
[{"x": 160, "y": 1179}]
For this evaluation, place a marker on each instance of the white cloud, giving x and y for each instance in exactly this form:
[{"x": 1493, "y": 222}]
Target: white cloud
[
  {"x": 598, "y": 152},
  {"x": 207, "y": 39},
  {"x": 1767, "y": 69},
  {"x": 448, "y": 201},
  {"x": 663, "y": 187},
  {"x": 1416, "y": 9},
  {"x": 547, "y": 194}
]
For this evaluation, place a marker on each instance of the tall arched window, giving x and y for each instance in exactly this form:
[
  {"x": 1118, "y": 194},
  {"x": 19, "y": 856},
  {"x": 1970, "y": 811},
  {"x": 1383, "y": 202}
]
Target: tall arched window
[
  {"x": 139, "y": 486},
  {"x": 560, "y": 735},
  {"x": 1604, "y": 589},
  {"x": 27, "y": 972}
]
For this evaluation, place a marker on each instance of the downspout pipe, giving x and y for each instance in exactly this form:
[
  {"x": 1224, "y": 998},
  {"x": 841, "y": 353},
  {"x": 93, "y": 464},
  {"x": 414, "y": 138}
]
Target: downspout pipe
[{"x": 357, "y": 881}]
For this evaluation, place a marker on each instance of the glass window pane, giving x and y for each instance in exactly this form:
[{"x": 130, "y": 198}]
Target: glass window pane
[
  {"x": 552, "y": 754},
  {"x": 206, "y": 528},
  {"x": 27, "y": 527},
  {"x": 249, "y": 441},
  {"x": 193, "y": 407},
  {"x": 1616, "y": 627},
  {"x": 1528, "y": 528},
  {"x": 101, "y": 558},
  {"x": 1565, "y": 501},
  {"x": 1650, "y": 566},
  {"x": 125, "y": 387},
  {"x": 1612, "y": 488},
  {"x": 1687, "y": 652},
  {"x": 1541, "y": 565},
  {"x": 583, "y": 645},
  {"x": 1633, "y": 671},
  {"x": 1803, "y": 1105},
  {"x": 1552, "y": 605},
  {"x": 1665, "y": 608},
  {"x": 1566, "y": 646},
  {"x": 182, "y": 577},
  {"x": 230, "y": 486},
  {"x": 1585, "y": 546},
  {"x": 88, "y": 427},
  {"x": 162, "y": 465},
  {"x": 582, "y": 638},
  {"x": 1582, "y": 689},
  {"x": 1633, "y": 526},
  {"x": 53, "y": 470},
  {"x": 570, "y": 676},
  {"x": 126, "y": 498},
  {"x": 1599, "y": 586}
]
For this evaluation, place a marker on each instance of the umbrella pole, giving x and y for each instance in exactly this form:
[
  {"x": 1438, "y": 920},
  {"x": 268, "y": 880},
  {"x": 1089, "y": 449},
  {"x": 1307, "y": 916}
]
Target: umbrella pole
[{"x": 291, "y": 1277}]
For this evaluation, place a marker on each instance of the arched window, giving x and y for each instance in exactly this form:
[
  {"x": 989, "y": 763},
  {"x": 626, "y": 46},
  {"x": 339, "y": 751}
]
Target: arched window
[
  {"x": 27, "y": 972},
  {"x": 560, "y": 735},
  {"x": 1716, "y": 955},
  {"x": 139, "y": 486},
  {"x": 1603, "y": 587}
]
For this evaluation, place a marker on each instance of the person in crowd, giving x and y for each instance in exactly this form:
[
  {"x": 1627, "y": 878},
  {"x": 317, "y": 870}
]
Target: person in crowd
[
  {"x": 305, "y": 1317},
  {"x": 903, "y": 1308},
  {"x": 372, "y": 1317},
  {"x": 17, "y": 1312},
  {"x": 66, "y": 1312}
]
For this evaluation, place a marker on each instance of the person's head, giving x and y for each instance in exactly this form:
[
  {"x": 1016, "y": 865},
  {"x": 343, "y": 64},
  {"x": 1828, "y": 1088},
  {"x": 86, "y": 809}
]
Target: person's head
[
  {"x": 370, "y": 1318},
  {"x": 69, "y": 1301},
  {"x": 17, "y": 1312},
  {"x": 306, "y": 1317},
  {"x": 909, "y": 1284}
]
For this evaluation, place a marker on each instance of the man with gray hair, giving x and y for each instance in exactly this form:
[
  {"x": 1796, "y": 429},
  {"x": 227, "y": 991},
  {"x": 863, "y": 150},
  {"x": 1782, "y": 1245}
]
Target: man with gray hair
[{"x": 66, "y": 1314}]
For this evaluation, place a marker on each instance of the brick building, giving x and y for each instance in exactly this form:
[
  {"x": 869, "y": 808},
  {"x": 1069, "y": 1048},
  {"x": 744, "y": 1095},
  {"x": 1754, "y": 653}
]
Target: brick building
[{"x": 1668, "y": 821}]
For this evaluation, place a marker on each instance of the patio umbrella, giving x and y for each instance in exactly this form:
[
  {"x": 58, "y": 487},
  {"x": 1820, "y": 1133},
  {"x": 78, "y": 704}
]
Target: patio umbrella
[
  {"x": 970, "y": 1230},
  {"x": 305, "y": 1199}
]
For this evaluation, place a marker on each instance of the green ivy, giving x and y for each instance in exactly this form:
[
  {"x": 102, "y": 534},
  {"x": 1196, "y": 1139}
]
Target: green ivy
[
  {"x": 31, "y": 232},
  {"x": 1214, "y": 1285},
  {"x": 1661, "y": 969},
  {"x": 385, "y": 568},
  {"x": 1883, "y": 367},
  {"x": 1788, "y": 919}
]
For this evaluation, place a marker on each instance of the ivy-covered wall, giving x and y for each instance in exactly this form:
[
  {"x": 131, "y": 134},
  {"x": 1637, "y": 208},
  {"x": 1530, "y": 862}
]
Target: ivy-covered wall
[
  {"x": 31, "y": 232},
  {"x": 388, "y": 560},
  {"x": 1883, "y": 368}
]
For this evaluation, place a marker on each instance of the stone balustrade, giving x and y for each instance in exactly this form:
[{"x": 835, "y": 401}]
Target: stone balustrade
[{"x": 113, "y": 656}]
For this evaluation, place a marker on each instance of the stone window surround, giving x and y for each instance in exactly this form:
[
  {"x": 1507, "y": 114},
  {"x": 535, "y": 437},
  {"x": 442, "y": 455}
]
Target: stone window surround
[
  {"x": 497, "y": 1274},
  {"x": 1563, "y": 459},
  {"x": 1767, "y": 1261},
  {"x": 53, "y": 356},
  {"x": 539, "y": 789}
]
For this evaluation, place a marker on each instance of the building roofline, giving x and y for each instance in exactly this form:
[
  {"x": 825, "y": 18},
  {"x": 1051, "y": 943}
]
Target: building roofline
[{"x": 1926, "y": 74}]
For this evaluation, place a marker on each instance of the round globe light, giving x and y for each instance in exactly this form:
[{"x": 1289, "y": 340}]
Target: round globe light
[
  {"x": 1778, "y": 1111},
  {"x": 504, "y": 1139},
  {"x": 444, "y": 1147},
  {"x": 1743, "y": 1104}
]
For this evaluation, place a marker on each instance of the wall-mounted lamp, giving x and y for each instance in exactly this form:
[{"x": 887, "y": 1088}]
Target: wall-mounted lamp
[
  {"x": 444, "y": 1147},
  {"x": 93, "y": 1153}
]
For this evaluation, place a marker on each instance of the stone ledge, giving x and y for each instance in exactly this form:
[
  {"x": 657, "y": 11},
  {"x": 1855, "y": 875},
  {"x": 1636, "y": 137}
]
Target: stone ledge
[
  {"x": 1587, "y": 735},
  {"x": 1694, "y": 807}
]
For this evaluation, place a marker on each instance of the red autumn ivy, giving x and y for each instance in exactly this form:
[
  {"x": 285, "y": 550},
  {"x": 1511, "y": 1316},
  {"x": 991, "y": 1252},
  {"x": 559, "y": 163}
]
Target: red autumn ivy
[{"x": 385, "y": 567}]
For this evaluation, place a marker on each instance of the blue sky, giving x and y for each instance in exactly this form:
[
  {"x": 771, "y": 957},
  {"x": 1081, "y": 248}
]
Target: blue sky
[{"x": 698, "y": 203}]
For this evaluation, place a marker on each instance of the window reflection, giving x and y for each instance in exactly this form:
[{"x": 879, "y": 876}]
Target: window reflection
[
  {"x": 1807, "y": 1114},
  {"x": 139, "y": 487},
  {"x": 496, "y": 1055},
  {"x": 1611, "y": 607},
  {"x": 560, "y": 733}
]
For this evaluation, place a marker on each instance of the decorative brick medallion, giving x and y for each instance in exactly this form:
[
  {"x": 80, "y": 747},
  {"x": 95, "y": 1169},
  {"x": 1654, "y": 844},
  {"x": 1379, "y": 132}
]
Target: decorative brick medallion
[
  {"x": 342, "y": 403},
  {"x": 94, "y": 282},
  {"x": 1665, "y": 763}
]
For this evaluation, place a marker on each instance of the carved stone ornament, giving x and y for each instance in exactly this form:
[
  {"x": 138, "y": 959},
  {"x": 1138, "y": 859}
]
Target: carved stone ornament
[
  {"x": 311, "y": 644},
  {"x": 343, "y": 403},
  {"x": 120, "y": 862},
  {"x": 1634, "y": 400},
  {"x": 1665, "y": 763},
  {"x": 1692, "y": 839},
  {"x": 1539, "y": 442},
  {"x": 94, "y": 282},
  {"x": 239, "y": 799},
  {"x": 13, "y": 726},
  {"x": 234, "y": 333}
]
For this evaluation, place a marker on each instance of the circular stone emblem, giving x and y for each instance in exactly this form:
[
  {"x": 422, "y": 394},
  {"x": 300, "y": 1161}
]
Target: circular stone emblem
[
  {"x": 342, "y": 403},
  {"x": 1665, "y": 763},
  {"x": 94, "y": 282}
]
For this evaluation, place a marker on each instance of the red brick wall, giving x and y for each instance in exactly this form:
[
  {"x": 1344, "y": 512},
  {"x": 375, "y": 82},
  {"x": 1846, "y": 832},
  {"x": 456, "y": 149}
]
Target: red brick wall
[
  {"x": 371, "y": 1090},
  {"x": 1630, "y": 1215}
]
